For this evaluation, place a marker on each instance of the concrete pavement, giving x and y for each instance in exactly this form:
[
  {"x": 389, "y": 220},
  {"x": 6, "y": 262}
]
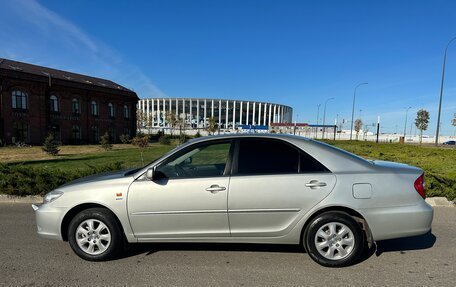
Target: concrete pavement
[{"x": 26, "y": 259}]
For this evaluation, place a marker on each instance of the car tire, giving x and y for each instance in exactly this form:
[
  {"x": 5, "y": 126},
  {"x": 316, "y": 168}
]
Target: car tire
[
  {"x": 334, "y": 239},
  {"x": 95, "y": 235}
]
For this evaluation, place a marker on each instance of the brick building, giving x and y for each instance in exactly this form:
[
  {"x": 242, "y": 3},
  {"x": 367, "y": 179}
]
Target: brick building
[{"x": 78, "y": 109}]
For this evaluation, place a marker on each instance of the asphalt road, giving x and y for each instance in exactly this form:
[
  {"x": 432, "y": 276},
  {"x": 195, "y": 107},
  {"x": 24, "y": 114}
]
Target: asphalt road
[{"x": 28, "y": 260}]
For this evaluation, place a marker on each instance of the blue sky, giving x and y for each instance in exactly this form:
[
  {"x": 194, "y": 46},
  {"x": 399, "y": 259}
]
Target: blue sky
[{"x": 298, "y": 53}]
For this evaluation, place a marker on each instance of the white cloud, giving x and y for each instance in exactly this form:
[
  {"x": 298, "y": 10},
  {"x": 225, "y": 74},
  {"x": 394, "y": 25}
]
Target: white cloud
[{"x": 33, "y": 33}]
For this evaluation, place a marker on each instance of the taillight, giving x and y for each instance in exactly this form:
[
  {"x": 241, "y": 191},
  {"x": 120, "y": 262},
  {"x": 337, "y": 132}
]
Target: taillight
[{"x": 419, "y": 186}]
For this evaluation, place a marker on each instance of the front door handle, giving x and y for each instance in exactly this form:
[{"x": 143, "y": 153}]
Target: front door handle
[
  {"x": 215, "y": 188},
  {"x": 315, "y": 184}
]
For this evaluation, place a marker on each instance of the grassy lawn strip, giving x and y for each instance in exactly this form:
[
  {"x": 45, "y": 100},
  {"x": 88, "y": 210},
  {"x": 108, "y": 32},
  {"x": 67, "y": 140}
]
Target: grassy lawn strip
[{"x": 29, "y": 171}]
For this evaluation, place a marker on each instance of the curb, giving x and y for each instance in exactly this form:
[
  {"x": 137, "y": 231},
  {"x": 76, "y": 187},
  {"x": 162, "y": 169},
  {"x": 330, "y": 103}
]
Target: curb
[
  {"x": 4, "y": 198},
  {"x": 439, "y": 201}
]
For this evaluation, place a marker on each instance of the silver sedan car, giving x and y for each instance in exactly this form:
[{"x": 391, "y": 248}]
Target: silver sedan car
[{"x": 247, "y": 189}]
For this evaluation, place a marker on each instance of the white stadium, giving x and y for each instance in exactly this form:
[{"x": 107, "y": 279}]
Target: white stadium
[{"x": 228, "y": 114}]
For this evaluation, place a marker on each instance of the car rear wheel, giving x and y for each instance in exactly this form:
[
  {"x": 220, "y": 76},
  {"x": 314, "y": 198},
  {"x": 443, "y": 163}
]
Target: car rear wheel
[
  {"x": 94, "y": 235},
  {"x": 334, "y": 239}
]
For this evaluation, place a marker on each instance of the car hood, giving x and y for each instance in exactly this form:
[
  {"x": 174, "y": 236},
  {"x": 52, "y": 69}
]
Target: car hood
[{"x": 99, "y": 177}]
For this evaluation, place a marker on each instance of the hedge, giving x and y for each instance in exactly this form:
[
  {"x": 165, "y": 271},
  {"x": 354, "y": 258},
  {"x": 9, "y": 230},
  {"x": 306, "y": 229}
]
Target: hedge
[{"x": 24, "y": 180}]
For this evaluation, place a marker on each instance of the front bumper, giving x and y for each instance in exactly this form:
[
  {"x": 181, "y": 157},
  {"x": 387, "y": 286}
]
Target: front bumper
[
  {"x": 402, "y": 221},
  {"x": 48, "y": 220}
]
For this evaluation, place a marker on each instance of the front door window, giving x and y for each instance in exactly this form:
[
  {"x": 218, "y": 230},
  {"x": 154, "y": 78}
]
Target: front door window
[{"x": 201, "y": 161}]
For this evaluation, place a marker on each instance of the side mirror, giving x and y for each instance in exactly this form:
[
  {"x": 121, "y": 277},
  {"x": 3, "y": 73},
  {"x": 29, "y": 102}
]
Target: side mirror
[{"x": 150, "y": 173}]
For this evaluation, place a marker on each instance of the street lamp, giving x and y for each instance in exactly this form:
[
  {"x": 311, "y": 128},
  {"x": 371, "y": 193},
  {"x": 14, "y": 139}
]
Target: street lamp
[
  {"x": 318, "y": 116},
  {"x": 324, "y": 116},
  {"x": 405, "y": 125},
  {"x": 353, "y": 109},
  {"x": 441, "y": 92}
]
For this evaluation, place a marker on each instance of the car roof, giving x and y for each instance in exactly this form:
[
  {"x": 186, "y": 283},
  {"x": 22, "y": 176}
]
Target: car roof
[{"x": 249, "y": 135}]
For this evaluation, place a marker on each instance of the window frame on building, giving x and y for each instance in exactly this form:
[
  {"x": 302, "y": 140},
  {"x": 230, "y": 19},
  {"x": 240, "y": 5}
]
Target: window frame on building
[
  {"x": 53, "y": 104},
  {"x": 112, "y": 134},
  {"x": 126, "y": 111},
  {"x": 24, "y": 134},
  {"x": 19, "y": 99},
  {"x": 111, "y": 110},
  {"x": 95, "y": 132},
  {"x": 76, "y": 133},
  {"x": 94, "y": 108},
  {"x": 75, "y": 106}
]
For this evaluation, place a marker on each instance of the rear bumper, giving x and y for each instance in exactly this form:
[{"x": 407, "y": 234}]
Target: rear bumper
[
  {"x": 401, "y": 221},
  {"x": 48, "y": 220}
]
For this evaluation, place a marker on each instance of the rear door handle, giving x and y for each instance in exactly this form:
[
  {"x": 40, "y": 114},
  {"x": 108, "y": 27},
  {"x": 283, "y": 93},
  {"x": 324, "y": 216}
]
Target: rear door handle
[
  {"x": 315, "y": 184},
  {"x": 215, "y": 188}
]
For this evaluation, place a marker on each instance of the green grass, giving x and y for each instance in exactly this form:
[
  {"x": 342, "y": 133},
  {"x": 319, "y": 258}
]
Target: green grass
[
  {"x": 19, "y": 166},
  {"x": 93, "y": 156}
]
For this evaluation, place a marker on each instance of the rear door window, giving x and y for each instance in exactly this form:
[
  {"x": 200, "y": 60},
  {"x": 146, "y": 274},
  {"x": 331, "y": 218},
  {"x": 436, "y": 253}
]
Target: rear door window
[{"x": 265, "y": 156}]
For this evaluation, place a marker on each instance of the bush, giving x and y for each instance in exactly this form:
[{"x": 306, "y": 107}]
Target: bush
[
  {"x": 165, "y": 140},
  {"x": 197, "y": 135},
  {"x": 24, "y": 180},
  {"x": 50, "y": 145},
  {"x": 105, "y": 143},
  {"x": 124, "y": 138}
]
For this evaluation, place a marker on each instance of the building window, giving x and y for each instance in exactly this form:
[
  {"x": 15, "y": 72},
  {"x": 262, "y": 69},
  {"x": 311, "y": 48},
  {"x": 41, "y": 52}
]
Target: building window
[
  {"x": 112, "y": 134},
  {"x": 19, "y": 100},
  {"x": 55, "y": 130},
  {"x": 111, "y": 110},
  {"x": 76, "y": 133},
  {"x": 95, "y": 134},
  {"x": 126, "y": 112},
  {"x": 21, "y": 132},
  {"x": 94, "y": 108},
  {"x": 75, "y": 106},
  {"x": 54, "y": 102}
]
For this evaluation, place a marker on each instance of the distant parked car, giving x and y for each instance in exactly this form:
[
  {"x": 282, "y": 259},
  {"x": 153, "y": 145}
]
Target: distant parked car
[
  {"x": 450, "y": 143},
  {"x": 243, "y": 188}
]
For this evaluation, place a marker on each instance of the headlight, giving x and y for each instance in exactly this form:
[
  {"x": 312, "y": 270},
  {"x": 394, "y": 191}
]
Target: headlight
[{"x": 51, "y": 196}]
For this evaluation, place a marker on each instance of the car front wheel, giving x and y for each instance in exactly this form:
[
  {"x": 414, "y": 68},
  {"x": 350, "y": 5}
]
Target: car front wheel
[
  {"x": 334, "y": 239},
  {"x": 94, "y": 235}
]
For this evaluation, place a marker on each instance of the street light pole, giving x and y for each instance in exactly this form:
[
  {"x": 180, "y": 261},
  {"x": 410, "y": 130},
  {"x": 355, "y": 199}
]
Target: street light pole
[
  {"x": 324, "y": 116},
  {"x": 405, "y": 125},
  {"x": 353, "y": 109},
  {"x": 318, "y": 116},
  {"x": 441, "y": 93}
]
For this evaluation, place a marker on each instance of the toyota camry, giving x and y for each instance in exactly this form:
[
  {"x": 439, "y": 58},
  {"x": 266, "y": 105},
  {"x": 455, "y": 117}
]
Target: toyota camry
[{"x": 276, "y": 189}]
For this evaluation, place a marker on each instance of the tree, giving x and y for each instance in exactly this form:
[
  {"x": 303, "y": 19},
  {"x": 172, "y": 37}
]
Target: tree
[
  {"x": 141, "y": 120},
  {"x": 105, "y": 143},
  {"x": 365, "y": 131},
  {"x": 142, "y": 142},
  {"x": 422, "y": 122},
  {"x": 212, "y": 126},
  {"x": 358, "y": 126},
  {"x": 180, "y": 122},
  {"x": 172, "y": 121},
  {"x": 50, "y": 145}
]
